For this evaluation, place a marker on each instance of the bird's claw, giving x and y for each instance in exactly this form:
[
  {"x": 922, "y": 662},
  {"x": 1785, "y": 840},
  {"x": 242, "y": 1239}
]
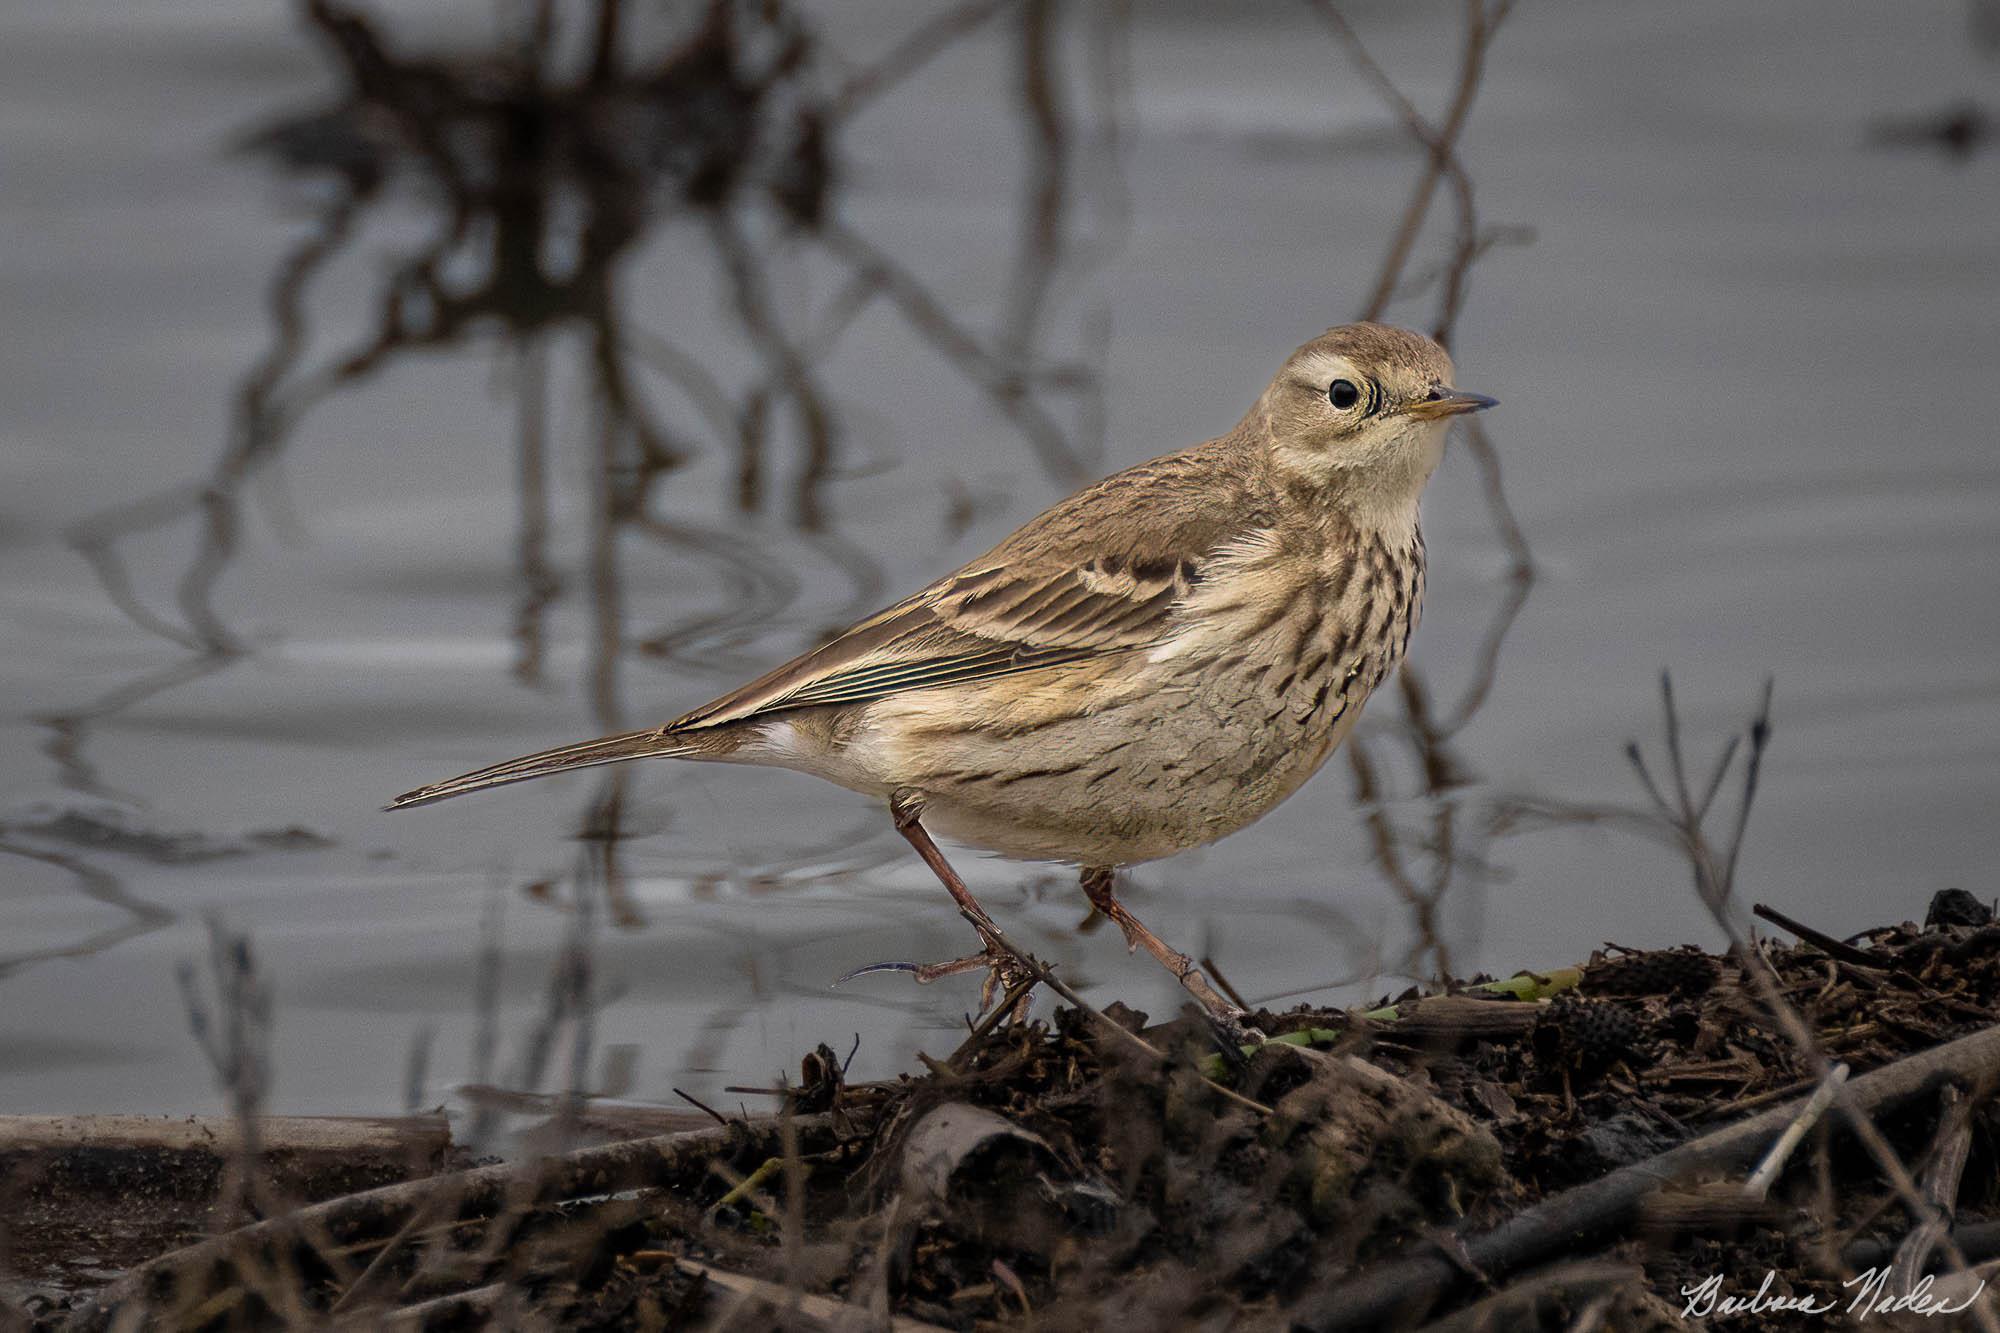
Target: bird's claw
[
  {"x": 1004, "y": 972},
  {"x": 924, "y": 973},
  {"x": 842, "y": 980}
]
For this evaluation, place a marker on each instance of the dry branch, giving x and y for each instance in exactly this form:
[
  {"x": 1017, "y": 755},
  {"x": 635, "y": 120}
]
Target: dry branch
[
  {"x": 348, "y": 1137},
  {"x": 1940, "y": 1184}
]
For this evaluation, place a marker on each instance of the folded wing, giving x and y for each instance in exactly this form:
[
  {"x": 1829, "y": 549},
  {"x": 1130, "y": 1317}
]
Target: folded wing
[{"x": 1101, "y": 573}]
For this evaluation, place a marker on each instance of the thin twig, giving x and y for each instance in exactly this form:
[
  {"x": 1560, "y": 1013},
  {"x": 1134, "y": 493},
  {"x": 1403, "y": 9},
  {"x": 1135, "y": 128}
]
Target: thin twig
[
  {"x": 1222, "y": 984},
  {"x": 1758, "y": 1186},
  {"x": 821, "y": 1309},
  {"x": 1819, "y": 939},
  {"x": 478, "y": 1192},
  {"x": 1441, "y": 141},
  {"x": 703, "y": 1106}
]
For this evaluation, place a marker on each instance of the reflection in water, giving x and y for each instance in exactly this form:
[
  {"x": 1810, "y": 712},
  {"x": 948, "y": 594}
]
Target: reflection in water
[
  {"x": 1960, "y": 131},
  {"x": 96, "y": 884},
  {"x": 539, "y": 183},
  {"x": 1423, "y": 858},
  {"x": 539, "y": 168},
  {"x": 536, "y": 178},
  {"x": 539, "y": 175}
]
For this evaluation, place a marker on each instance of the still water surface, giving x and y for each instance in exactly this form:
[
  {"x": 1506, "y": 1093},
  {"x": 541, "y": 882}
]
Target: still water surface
[{"x": 1746, "y": 370}]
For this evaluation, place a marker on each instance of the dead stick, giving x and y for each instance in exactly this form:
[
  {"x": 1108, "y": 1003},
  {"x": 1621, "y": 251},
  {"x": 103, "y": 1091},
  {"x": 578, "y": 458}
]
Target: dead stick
[
  {"x": 1820, "y": 940},
  {"x": 1978, "y": 1241},
  {"x": 1570, "y": 1221},
  {"x": 1940, "y": 1186},
  {"x": 1758, "y": 1187}
]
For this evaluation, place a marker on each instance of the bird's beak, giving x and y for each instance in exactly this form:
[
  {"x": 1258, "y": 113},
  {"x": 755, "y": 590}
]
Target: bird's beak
[{"x": 1449, "y": 403}]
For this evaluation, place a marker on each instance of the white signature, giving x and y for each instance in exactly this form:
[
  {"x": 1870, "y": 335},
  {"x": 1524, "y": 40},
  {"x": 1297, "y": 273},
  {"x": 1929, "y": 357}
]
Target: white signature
[{"x": 1870, "y": 1296}]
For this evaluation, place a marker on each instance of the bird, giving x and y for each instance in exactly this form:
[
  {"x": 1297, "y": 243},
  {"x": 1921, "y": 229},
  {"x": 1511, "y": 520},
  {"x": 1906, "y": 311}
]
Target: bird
[{"x": 1147, "y": 666}]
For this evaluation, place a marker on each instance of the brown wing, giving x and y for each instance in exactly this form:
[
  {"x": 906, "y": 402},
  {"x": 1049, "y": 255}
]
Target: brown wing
[{"x": 1099, "y": 573}]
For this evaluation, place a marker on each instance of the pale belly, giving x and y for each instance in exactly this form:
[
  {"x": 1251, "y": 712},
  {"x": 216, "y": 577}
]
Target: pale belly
[
  {"x": 1130, "y": 762},
  {"x": 1133, "y": 784},
  {"x": 1134, "y": 756}
]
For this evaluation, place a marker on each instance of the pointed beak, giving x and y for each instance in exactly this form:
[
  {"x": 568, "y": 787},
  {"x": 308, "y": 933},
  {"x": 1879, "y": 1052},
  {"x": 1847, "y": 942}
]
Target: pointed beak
[{"x": 1449, "y": 403}]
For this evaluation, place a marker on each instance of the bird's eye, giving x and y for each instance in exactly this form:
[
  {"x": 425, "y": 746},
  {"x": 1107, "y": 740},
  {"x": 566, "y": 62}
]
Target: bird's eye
[{"x": 1343, "y": 394}]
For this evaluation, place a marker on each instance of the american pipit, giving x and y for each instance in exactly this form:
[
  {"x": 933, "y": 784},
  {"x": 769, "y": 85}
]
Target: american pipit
[{"x": 1146, "y": 667}]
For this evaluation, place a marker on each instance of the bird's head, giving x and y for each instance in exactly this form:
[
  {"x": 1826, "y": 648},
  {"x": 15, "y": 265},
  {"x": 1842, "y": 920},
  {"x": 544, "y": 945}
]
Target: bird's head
[{"x": 1362, "y": 409}]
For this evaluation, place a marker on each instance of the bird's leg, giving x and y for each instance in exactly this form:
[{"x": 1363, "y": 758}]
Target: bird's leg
[
  {"x": 1003, "y": 970},
  {"x": 1097, "y": 886},
  {"x": 906, "y": 808}
]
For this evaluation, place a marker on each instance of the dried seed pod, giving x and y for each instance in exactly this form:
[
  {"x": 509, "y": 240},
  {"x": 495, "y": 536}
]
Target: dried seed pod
[
  {"x": 1602, "y": 1034},
  {"x": 1662, "y": 972},
  {"x": 1587, "y": 1034}
]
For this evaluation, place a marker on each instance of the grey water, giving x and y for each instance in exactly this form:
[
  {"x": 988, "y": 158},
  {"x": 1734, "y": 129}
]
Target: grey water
[{"x": 1746, "y": 365}]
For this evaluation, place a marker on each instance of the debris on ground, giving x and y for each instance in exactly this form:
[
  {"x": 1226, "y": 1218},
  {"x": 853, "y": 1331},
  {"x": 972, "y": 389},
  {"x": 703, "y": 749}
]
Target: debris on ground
[{"x": 1551, "y": 1151}]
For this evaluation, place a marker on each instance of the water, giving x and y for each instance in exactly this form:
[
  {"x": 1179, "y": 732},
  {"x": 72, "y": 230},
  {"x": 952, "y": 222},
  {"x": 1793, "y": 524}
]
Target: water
[{"x": 1743, "y": 366}]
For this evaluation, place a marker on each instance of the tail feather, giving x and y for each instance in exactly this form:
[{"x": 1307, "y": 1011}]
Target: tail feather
[{"x": 585, "y": 754}]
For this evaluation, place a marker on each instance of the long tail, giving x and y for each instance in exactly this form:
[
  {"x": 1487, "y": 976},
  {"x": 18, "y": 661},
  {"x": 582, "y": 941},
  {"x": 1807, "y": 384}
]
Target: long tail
[{"x": 585, "y": 754}]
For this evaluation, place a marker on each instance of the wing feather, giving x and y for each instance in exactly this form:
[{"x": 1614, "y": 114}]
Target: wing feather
[{"x": 1101, "y": 573}]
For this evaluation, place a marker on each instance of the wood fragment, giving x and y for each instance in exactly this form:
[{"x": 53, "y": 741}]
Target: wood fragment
[
  {"x": 1940, "y": 1187},
  {"x": 426, "y": 1136}
]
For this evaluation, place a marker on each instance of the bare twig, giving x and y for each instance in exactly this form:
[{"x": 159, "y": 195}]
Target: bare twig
[
  {"x": 96, "y": 884},
  {"x": 1819, "y": 939},
  {"x": 539, "y": 585},
  {"x": 702, "y": 1106},
  {"x": 1441, "y": 142},
  {"x": 1758, "y": 1186},
  {"x": 987, "y": 368}
]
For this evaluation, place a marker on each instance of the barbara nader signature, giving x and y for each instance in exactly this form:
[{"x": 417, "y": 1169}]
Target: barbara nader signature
[{"x": 1867, "y": 1293}]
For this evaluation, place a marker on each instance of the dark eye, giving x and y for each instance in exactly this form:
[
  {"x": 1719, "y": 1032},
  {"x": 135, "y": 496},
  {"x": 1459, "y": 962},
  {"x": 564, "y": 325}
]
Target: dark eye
[{"x": 1343, "y": 394}]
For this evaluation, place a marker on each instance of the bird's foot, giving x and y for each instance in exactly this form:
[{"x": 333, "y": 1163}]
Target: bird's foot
[{"x": 1004, "y": 974}]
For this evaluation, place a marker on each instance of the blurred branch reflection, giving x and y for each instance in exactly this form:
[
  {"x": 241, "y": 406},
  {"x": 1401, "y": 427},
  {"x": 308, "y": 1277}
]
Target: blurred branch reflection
[
  {"x": 97, "y": 884},
  {"x": 1424, "y": 857},
  {"x": 538, "y": 167}
]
